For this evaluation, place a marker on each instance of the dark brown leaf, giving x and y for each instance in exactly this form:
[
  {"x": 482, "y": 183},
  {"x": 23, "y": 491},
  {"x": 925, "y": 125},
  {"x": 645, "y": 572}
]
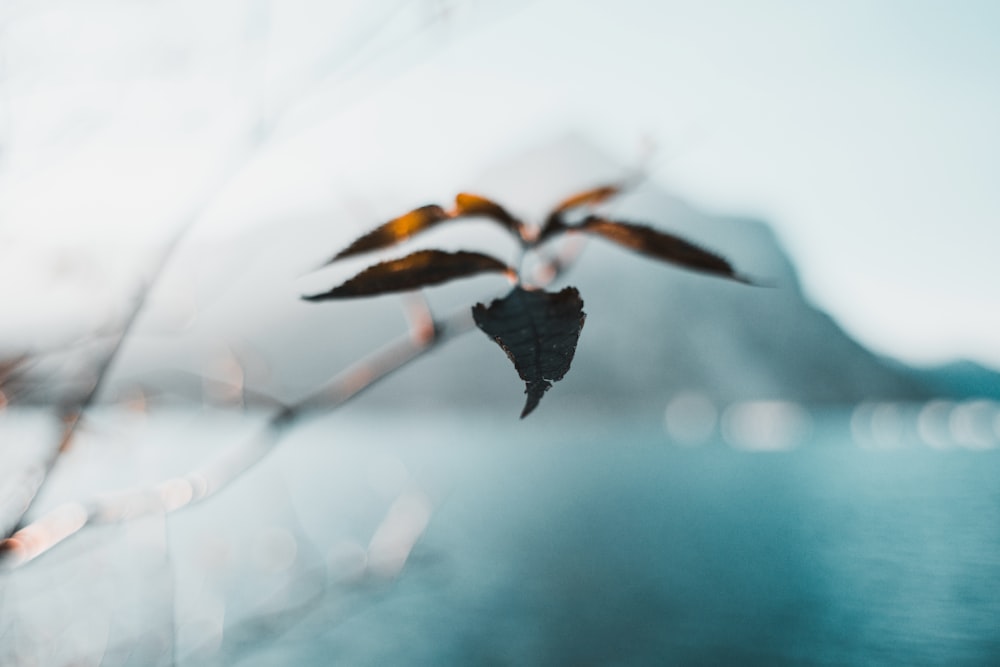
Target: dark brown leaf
[
  {"x": 554, "y": 224},
  {"x": 538, "y": 330},
  {"x": 419, "y": 269},
  {"x": 661, "y": 245},
  {"x": 396, "y": 230}
]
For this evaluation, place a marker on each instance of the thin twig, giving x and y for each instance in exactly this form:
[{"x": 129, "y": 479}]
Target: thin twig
[
  {"x": 75, "y": 415},
  {"x": 257, "y": 137},
  {"x": 170, "y": 495}
]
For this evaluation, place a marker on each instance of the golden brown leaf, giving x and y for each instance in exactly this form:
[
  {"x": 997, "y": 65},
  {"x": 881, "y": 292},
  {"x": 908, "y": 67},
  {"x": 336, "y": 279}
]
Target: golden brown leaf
[
  {"x": 419, "y": 269},
  {"x": 590, "y": 197},
  {"x": 467, "y": 205},
  {"x": 421, "y": 219},
  {"x": 396, "y": 230},
  {"x": 661, "y": 245},
  {"x": 555, "y": 223}
]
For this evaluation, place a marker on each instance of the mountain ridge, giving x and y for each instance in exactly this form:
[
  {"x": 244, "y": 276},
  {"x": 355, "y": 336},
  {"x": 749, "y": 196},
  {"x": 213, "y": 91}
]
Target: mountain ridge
[{"x": 652, "y": 331}]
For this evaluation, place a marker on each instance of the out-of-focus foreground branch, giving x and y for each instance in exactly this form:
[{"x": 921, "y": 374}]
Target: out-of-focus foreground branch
[
  {"x": 425, "y": 333},
  {"x": 20, "y": 498}
]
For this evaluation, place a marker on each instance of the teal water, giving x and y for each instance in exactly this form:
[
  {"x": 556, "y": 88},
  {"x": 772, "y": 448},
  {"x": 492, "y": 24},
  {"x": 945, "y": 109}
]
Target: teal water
[
  {"x": 623, "y": 550},
  {"x": 553, "y": 543}
]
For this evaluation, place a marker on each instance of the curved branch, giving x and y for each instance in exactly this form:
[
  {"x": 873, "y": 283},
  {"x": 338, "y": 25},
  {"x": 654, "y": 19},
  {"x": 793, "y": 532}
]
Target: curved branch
[
  {"x": 175, "y": 493},
  {"x": 172, "y": 494},
  {"x": 256, "y": 138}
]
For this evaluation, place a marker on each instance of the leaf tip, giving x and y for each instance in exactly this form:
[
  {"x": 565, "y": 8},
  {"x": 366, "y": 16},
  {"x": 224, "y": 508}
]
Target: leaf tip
[
  {"x": 751, "y": 281},
  {"x": 346, "y": 252},
  {"x": 535, "y": 390}
]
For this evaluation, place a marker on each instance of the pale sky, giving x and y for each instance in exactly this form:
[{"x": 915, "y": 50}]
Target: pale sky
[{"x": 865, "y": 131}]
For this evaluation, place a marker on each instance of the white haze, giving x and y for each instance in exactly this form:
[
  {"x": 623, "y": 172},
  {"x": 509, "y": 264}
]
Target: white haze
[{"x": 865, "y": 132}]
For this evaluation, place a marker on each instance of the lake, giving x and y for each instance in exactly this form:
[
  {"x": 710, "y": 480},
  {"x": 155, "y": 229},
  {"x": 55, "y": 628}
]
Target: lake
[{"x": 377, "y": 539}]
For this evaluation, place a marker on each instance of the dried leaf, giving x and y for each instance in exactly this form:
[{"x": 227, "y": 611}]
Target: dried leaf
[
  {"x": 661, "y": 245},
  {"x": 590, "y": 197},
  {"x": 419, "y": 269},
  {"x": 396, "y": 230},
  {"x": 538, "y": 330},
  {"x": 469, "y": 205},
  {"x": 555, "y": 222},
  {"x": 421, "y": 219}
]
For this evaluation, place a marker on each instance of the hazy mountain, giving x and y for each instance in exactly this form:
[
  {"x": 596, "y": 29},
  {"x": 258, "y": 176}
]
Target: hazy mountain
[
  {"x": 651, "y": 331},
  {"x": 960, "y": 379}
]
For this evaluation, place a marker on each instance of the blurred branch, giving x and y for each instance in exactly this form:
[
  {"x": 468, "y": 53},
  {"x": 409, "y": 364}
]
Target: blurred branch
[
  {"x": 257, "y": 136},
  {"x": 12, "y": 377},
  {"x": 172, "y": 494},
  {"x": 74, "y": 415}
]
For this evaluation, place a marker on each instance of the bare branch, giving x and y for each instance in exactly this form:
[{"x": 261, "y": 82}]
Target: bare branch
[
  {"x": 256, "y": 138},
  {"x": 172, "y": 494},
  {"x": 175, "y": 493}
]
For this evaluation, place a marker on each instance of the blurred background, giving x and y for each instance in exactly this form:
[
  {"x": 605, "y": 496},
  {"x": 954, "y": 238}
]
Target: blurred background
[{"x": 797, "y": 474}]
